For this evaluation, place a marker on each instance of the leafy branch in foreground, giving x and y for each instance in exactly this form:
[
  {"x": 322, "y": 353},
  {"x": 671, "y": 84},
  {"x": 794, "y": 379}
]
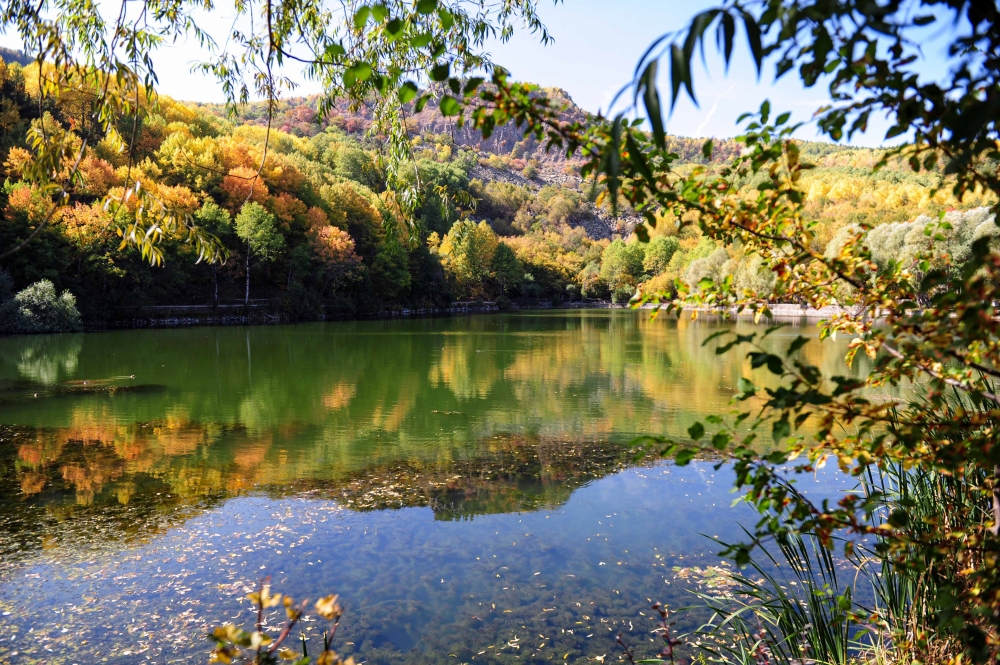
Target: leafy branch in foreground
[
  {"x": 261, "y": 647},
  {"x": 371, "y": 55},
  {"x": 927, "y": 323}
]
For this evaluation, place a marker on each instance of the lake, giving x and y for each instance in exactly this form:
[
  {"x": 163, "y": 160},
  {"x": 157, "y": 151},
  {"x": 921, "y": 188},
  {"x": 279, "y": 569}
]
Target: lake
[{"x": 467, "y": 485}]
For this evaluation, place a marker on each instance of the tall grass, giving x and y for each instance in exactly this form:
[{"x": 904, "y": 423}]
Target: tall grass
[
  {"x": 786, "y": 607},
  {"x": 797, "y": 603}
]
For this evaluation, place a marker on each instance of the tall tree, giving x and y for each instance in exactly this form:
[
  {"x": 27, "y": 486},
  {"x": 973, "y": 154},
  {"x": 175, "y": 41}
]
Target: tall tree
[
  {"x": 214, "y": 219},
  {"x": 506, "y": 269},
  {"x": 256, "y": 227},
  {"x": 468, "y": 249}
]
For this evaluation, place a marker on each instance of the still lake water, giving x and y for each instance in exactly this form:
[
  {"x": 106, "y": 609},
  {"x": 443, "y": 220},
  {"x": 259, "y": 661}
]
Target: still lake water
[{"x": 465, "y": 484}]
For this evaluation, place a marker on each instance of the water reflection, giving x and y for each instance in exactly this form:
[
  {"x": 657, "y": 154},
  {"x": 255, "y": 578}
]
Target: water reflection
[
  {"x": 426, "y": 469},
  {"x": 43, "y": 359},
  {"x": 69, "y": 475}
]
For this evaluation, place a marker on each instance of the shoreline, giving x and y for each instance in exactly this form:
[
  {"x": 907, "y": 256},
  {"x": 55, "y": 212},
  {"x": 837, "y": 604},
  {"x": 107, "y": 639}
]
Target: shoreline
[
  {"x": 183, "y": 316},
  {"x": 186, "y": 316}
]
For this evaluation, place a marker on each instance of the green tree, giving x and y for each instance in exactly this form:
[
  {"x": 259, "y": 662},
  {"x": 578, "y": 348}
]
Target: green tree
[
  {"x": 505, "y": 267},
  {"x": 389, "y": 271},
  {"x": 621, "y": 264},
  {"x": 467, "y": 251},
  {"x": 658, "y": 254},
  {"x": 215, "y": 220},
  {"x": 256, "y": 227}
]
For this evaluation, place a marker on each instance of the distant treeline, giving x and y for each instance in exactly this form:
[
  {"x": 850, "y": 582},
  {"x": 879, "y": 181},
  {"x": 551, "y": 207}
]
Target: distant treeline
[{"x": 313, "y": 225}]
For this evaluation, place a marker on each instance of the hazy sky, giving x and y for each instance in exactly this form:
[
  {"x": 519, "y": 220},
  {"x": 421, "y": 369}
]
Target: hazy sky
[{"x": 597, "y": 45}]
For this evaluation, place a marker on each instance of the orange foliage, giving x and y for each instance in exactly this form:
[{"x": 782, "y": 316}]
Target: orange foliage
[
  {"x": 98, "y": 176},
  {"x": 279, "y": 173},
  {"x": 17, "y": 160},
  {"x": 237, "y": 187},
  {"x": 235, "y": 154},
  {"x": 316, "y": 218},
  {"x": 177, "y": 199},
  {"x": 29, "y": 202},
  {"x": 84, "y": 224},
  {"x": 286, "y": 207},
  {"x": 334, "y": 249}
]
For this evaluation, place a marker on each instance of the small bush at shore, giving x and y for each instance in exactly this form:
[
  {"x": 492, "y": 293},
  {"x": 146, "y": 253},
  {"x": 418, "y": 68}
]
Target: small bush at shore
[{"x": 39, "y": 309}]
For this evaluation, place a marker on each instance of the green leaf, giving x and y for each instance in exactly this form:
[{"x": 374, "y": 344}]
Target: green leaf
[
  {"x": 379, "y": 12},
  {"x": 765, "y": 111},
  {"x": 783, "y": 118},
  {"x": 775, "y": 328},
  {"x": 421, "y": 40},
  {"x": 447, "y": 18},
  {"x": 472, "y": 85},
  {"x": 780, "y": 429},
  {"x": 896, "y": 130},
  {"x": 899, "y": 518},
  {"x": 728, "y": 33},
  {"x": 394, "y": 28},
  {"x": 426, "y": 6},
  {"x": 334, "y": 51},
  {"x": 407, "y": 92},
  {"x": 440, "y": 72},
  {"x": 721, "y": 440},
  {"x": 706, "y": 149},
  {"x": 753, "y": 38},
  {"x": 684, "y": 457},
  {"x": 361, "y": 17},
  {"x": 680, "y": 74},
  {"x": 776, "y": 457},
  {"x": 797, "y": 344},
  {"x": 450, "y": 105},
  {"x": 422, "y": 102},
  {"x": 746, "y": 386},
  {"x": 651, "y": 100},
  {"x": 696, "y": 431},
  {"x": 362, "y": 71}
]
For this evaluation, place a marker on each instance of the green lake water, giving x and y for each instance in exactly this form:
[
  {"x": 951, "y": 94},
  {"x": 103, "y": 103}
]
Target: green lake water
[{"x": 465, "y": 484}]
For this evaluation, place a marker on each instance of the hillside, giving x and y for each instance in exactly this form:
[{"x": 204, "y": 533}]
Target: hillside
[{"x": 320, "y": 231}]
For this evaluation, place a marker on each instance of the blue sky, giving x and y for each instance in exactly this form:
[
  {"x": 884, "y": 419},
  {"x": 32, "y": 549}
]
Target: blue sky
[{"x": 597, "y": 45}]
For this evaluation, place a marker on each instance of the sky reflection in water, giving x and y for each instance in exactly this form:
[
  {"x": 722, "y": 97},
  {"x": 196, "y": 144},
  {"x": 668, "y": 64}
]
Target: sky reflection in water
[{"x": 426, "y": 470}]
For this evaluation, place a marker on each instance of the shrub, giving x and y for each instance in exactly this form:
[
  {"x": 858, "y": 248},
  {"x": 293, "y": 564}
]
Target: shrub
[
  {"x": 622, "y": 294},
  {"x": 37, "y": 309},
  {"x": 530, "y": 172}
]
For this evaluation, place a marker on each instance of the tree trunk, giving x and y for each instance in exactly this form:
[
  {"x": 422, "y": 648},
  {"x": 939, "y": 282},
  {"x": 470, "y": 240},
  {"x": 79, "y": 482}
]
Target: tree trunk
[
  {"x": 246, "y": 300},
  {"x": 996, "y": 501}
]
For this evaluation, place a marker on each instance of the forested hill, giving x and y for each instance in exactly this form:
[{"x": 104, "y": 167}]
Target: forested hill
[
  {"x": 297, "y": 116},
  {"x": 319, "y": 231},
  {"x": 10, "y": 55}
]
